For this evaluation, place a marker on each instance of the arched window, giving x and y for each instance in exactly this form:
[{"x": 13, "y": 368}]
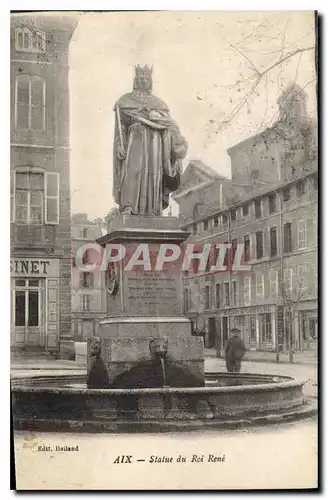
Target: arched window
[
  {"x": 27, "y": 40},
  {"x": 30, "y": 102}
]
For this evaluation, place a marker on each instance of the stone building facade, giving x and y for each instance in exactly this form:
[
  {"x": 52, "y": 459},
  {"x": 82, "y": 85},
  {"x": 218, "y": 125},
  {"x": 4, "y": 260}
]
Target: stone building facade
[
  {"x": 40, "y": 184},
  {"x": 88, "y": 288},
  {"x": 274, "y": 218},
  {"x": 279, "y": 152}
]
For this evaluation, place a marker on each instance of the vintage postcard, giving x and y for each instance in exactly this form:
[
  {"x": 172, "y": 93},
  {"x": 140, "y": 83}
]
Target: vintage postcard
[{"x": 164, "y": 201}]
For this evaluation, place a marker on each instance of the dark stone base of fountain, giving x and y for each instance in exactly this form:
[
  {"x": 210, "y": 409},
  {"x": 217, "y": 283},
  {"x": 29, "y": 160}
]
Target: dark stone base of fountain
[
  {"x": 129, "y": 362},
  {"x": 65, "y": 405},
  {"x": 146, "y": 374}
]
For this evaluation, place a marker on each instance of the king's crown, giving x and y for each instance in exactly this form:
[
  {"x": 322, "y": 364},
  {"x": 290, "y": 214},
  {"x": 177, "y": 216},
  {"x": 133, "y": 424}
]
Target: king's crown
[{"x": 143, "y": 70}]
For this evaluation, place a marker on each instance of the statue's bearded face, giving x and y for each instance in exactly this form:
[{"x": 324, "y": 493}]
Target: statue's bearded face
[{"x": 143, "y": 81}]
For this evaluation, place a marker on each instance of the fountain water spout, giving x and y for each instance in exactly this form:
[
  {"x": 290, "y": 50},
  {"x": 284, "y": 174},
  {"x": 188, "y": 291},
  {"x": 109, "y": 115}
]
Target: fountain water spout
[{"x": 158, "y": 349}]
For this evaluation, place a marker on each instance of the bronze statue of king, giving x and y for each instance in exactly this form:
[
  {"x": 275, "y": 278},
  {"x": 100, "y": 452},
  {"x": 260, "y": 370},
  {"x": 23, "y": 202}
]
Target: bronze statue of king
[{"x": 148, "y": 150}]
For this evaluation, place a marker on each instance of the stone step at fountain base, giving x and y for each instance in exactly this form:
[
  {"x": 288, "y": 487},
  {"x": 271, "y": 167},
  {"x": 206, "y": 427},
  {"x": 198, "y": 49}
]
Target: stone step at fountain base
[{"x": 306, "y": 411}]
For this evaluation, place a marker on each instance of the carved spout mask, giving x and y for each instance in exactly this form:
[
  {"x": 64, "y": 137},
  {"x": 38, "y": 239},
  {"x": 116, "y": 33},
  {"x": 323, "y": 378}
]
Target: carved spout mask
[{"x": 159, "y": 347}]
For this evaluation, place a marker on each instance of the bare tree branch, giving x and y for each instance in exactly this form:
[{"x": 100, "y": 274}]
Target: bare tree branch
[
  {"x": 247, "y": 58},
  {"x": 258, "y": 76},
  {"x": 285, "y": 58}
]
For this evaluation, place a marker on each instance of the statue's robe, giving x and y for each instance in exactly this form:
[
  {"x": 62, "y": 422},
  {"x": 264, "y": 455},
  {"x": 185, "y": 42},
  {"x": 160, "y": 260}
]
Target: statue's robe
[{"x": 152, "y": 165}]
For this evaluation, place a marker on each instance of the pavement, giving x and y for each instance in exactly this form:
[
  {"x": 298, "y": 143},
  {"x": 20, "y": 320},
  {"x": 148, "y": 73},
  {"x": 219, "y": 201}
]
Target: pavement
[
  {"x": 42, "y": 364},
  {"x": 299, "y": 357},
  {"x": 304, "y": 372}
]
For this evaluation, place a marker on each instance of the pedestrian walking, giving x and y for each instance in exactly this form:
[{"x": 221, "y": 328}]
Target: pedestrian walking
[{"x": 234, "y": 351}]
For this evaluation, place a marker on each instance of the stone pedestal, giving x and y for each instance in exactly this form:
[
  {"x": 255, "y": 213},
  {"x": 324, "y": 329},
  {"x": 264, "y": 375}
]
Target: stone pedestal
[
  {"x": 66, "y": 349},
  {"x": 145, "y": 307}
]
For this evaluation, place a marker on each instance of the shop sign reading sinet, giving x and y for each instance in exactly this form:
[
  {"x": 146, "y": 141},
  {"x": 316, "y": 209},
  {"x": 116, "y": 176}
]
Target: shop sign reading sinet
[{"x": 43, "y": 268}]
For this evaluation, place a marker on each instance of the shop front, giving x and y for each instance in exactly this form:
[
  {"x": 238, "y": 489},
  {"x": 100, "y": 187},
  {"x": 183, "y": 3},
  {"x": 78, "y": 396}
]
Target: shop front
[
  {"x": 35, "y": 303},
  {"x": 308, "y": 327},
  {"x": 256, "y": 325}
]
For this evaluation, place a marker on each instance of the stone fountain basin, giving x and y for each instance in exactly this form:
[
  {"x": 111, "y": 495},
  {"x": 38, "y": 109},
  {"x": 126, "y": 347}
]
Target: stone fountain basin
[{"x": 64, "y": 403}]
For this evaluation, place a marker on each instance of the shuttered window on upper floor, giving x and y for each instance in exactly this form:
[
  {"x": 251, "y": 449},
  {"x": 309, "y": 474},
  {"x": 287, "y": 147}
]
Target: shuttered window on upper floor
[{"x": 34, "y": 197}]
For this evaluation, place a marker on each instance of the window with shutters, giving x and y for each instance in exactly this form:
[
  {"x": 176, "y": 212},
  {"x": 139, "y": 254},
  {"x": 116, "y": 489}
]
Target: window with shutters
[
  {"x": 27, "y": 40},
  {"x": 34, "y": 197},
  {"x": 247, "y": 290},
  {"x": 259, "y": 286},
  {"x": 288, "y": 237},
  {"x": 272, "y": 203},
  {"x": 30, "y": 103},
  {"x": 259, "y": 244},
  {"x": 234, "y": 293},
  {"x": 302, "y": 284},
  {"x": 85, "y": 302},
  {"x": 245, "y": 209},
  {"x": 226, "y": 295},
  {"x": 300, "y": 188},
  {"x": 258, "y": 208},
  {"x": 29, "y": 198},
  {"x": 301, "y": 232},
  {"x": 288, "y": 281},
  {"x": 273, "y": 276},
  {"x": 217, "y": 295},
  {"x": 207, "y": 297},
  {"x": 286, "y": 194},
  {"x": 273, "y": 242},
  {"x": 247, "y": 248}
]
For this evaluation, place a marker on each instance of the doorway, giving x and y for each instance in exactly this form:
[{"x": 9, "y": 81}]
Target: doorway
[
  {"x": 211, "y": 333},
  {"x": 28, "y": 312},
  {"x": 309, "y": 331}
]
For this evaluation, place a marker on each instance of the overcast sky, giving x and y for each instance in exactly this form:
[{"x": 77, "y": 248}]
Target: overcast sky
[{"x": 196, "y": 56}]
